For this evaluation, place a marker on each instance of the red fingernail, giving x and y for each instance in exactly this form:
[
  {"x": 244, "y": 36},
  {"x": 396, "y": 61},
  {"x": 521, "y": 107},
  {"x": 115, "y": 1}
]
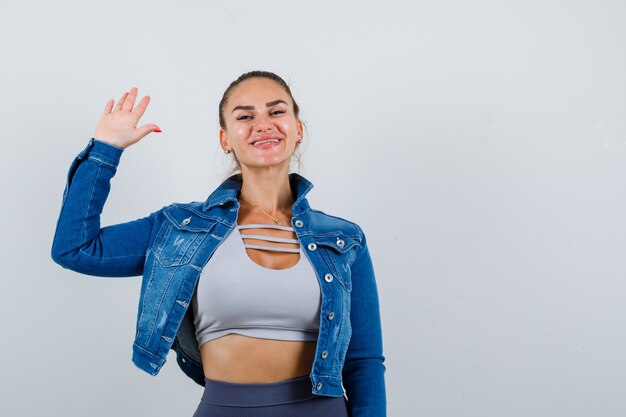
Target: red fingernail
[{"x": 157, "y": 130}]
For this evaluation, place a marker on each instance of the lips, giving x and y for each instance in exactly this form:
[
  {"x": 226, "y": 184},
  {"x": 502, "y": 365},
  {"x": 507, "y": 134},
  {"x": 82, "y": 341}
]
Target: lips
[{"x": 265, "y": 140}]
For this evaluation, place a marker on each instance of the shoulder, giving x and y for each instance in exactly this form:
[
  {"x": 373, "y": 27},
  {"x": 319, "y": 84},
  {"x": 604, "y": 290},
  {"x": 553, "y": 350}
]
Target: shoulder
[
  {"x": 195, "y": 206},
  {"x": 325, "y": 222},
  {"x": 190, "y": 216},
  {"x": 191, "y": 207}
]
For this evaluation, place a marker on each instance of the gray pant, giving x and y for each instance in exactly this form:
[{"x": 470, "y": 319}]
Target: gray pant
[{"x": 291, "y": 398}]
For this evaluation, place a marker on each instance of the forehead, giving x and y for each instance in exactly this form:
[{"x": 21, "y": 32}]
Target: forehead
[{"x": 257, "y": 90}]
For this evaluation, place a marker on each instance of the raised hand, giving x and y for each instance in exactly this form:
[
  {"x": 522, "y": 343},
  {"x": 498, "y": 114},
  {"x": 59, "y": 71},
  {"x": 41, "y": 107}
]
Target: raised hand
[{"x": 119, "y": 127}]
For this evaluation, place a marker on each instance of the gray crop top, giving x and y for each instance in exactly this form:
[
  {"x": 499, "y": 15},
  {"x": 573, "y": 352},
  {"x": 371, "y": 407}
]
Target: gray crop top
[{"x": 236, "y": 295}]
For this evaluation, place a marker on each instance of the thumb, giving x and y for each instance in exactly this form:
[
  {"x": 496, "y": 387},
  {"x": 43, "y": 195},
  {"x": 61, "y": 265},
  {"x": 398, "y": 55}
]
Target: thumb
[{"x": 148, "y": 128}]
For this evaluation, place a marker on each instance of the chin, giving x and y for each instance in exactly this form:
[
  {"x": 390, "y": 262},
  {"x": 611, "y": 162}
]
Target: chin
[{"x": 269, "y": 164}]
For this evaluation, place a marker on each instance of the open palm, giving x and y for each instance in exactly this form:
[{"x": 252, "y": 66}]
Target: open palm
[{"x": 118, "y": 126}]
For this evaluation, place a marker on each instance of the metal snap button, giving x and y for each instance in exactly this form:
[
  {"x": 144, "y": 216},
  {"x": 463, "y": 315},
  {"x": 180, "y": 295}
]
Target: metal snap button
[
  {"x": 340, "y": 243},
  {"x": 328, "y": 277},
  {"x": 299, "y": 223},
  {"x": 186, "y": 221},
  {"x": 312, "y": 246},
  {"x": 183, "y": 359},
  {"x": 331, "y": 315},
  {"x": 319, "y": 385},
  {"x": 324, "y": 354}
]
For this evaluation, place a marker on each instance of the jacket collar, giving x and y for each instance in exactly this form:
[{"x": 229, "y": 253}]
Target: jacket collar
[{"x": 228, "y": 190}]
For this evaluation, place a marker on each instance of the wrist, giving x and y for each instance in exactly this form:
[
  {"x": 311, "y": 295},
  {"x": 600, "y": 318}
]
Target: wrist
[{"x": 108, "y": 137}]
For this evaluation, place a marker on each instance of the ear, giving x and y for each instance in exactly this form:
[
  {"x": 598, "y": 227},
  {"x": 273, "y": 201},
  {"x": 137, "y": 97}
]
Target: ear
[
  {"x": 223, "y": 139},
  {"x": 300, "y": 130}
]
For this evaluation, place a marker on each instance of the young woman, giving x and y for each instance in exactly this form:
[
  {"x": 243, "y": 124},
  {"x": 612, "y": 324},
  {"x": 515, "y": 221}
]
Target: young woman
[{"x": 269, "y": 304}]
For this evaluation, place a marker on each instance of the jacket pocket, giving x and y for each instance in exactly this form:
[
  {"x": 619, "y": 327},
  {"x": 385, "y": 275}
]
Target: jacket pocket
[
  {"x": 338, "y": 250},
  {"x": 180, "y": 236}
]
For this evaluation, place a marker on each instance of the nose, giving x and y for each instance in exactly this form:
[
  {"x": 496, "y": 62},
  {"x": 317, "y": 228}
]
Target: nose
[{"x": 263, "y": 123}]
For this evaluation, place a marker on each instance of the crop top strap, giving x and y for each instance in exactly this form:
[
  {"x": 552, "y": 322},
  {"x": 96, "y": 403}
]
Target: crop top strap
[
  {"x": 264, "y": 226},
  {"x": 269, "y": 238}
]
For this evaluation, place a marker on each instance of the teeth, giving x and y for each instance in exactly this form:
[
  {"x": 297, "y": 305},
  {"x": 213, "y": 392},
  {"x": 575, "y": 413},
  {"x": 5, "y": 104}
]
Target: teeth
[{"x": 265, "y": 141}]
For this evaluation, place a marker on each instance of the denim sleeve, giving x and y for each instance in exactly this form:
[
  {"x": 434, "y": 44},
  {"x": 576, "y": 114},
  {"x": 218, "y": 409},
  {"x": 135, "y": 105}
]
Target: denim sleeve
[
  {"x": 79, "y": 243},
  {"x": 364, "y": 369}
]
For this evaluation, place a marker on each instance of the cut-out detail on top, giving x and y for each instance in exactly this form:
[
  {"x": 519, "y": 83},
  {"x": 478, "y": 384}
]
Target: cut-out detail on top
[{"x": 268, "y": 238}]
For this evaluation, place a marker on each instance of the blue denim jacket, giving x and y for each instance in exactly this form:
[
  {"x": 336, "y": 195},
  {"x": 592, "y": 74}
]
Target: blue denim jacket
[{"x": 172, "y": 245}]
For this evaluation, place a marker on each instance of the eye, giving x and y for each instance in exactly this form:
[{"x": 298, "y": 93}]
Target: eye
[
  {"x": 242, "y": 117},
  {"x": 278, "y": 111}
]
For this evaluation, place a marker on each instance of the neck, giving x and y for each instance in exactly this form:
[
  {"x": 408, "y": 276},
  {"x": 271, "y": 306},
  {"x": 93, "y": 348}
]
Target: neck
[{"x": 267, "y": 188}]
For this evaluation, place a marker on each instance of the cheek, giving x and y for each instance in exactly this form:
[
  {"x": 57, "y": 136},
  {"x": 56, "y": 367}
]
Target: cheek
[
  {"x": 240, "y": 132},
  {"x": 290, "y": 128}
]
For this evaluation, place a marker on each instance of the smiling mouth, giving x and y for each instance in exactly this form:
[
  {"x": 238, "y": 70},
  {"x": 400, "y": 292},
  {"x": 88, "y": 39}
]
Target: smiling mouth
[{"x": 265, "y": 141}]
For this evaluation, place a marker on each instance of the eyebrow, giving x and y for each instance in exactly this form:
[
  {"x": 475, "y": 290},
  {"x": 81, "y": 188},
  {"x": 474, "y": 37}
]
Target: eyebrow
[{"x": 268, "y": 104}]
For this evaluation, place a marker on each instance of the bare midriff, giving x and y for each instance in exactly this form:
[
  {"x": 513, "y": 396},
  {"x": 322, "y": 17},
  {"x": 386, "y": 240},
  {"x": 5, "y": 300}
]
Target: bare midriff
[{"x": 248, "y": 360}]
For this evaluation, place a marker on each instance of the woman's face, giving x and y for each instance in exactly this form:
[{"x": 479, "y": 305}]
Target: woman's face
[{"x": 260, "y": 110}]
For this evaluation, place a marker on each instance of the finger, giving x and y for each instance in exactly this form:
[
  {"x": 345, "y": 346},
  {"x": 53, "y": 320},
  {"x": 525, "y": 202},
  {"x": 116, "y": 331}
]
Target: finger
[
  {"x": 140, "y": 108},
  {"x": 149, "y": 128},
  {"x": 108, "y": 107},
  {"x": 121, "y": 101},
  {"x": 130, "y": 100}
]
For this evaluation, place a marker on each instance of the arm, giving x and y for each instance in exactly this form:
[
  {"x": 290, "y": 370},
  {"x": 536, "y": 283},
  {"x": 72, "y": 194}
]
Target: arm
[
  {"x": 364, "y": 369},
  {"x": 79, "y": 243}
]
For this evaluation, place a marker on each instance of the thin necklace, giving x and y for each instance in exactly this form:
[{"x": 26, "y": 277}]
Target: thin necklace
[{"x": 277, "y": 221}]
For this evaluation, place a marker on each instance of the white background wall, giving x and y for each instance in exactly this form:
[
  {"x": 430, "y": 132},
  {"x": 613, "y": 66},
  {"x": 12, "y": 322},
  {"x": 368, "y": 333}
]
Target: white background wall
[{"x": 482, "y": 144}]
